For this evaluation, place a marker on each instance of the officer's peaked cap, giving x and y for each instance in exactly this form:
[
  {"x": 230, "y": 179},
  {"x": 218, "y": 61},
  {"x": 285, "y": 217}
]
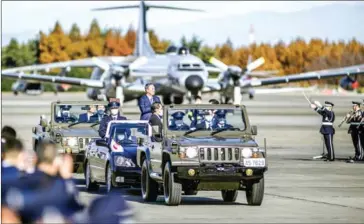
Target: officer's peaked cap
[
  {"x": 65, "y": 107},
  {"x": 220, "y": 113},
  {"x": 178, "y": 115},
  {"x": 327, "y": 103},
  {"x": 114, "y": 105},
  {"x": 357, "y": 103}
]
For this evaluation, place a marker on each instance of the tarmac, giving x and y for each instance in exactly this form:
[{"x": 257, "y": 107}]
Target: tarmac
[{"x": 298, "y": 189}]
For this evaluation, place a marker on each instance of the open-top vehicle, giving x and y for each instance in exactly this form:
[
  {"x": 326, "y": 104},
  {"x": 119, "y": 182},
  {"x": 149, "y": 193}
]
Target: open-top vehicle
[
  {"x": 213, "y": 150},
  {"x": 70, "y": 128},
  {"x": 112, "y": 160}
]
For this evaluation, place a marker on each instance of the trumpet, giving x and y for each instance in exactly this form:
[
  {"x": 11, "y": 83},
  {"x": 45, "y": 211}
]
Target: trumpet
[{"x": 345, "y": 118}]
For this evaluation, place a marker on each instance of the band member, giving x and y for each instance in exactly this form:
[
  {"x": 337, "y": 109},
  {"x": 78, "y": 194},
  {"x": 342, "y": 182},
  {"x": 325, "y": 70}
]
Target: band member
[
  {"x": 327, "y": 129},
  {"x": 355, "y": 117}
]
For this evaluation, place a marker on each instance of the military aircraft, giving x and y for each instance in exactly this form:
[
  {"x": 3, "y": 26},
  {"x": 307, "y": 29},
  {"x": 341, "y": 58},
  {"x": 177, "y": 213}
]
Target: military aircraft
[{"x": 176, "y": 74}]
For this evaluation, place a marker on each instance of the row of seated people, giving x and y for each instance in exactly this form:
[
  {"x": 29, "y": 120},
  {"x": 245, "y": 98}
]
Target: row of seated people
[
  {"x": 200, "y": 119},
  {"x": 93, "y": 114}
]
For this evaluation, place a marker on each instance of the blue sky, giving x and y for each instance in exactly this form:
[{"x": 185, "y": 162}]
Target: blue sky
[{"x": 23, "y": 19}]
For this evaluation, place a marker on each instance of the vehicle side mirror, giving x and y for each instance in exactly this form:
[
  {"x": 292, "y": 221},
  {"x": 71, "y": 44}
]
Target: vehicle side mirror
[
  {"x": 101, "y": 142},
  {"x": 254, "y": 130}
]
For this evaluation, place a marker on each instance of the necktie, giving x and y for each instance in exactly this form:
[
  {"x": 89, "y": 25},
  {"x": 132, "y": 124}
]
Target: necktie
[{"x": 151, "y": 100}]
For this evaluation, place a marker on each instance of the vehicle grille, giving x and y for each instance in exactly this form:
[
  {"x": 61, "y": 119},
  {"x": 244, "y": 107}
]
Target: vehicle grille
[
  {"x": 223, "y": 154},
  {"x": 83, "y": 142}
]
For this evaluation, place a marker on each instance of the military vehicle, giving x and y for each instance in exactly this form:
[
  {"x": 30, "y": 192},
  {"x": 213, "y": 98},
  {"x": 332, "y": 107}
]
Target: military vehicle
[
  {"x": 212, "y": 150},
  {"x": 72, "y": 125}
]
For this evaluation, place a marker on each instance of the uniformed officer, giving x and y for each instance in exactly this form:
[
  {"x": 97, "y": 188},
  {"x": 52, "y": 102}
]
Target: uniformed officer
[
  {"x": 327, "y": 129},
  {"x": 65, "y": 114},
  {"x": 219, "y": 121},
  {"x": 177, "y": 122},
  {"x": 114, "y": 115},
  {"x": 46, "y": 190},
  {"x": 361, "y": 132},
  {"x": 355, "y": 116}
]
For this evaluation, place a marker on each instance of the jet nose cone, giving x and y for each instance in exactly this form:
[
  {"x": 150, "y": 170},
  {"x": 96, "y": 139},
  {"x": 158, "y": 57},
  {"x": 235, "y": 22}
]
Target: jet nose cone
[{"x": 194, "y": 83}]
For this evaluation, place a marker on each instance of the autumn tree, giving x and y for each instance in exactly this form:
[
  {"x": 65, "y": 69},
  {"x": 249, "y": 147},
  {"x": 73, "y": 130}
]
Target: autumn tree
[
  {"x": 130, "y": 37},
  {"x": 95, "y": 42}
]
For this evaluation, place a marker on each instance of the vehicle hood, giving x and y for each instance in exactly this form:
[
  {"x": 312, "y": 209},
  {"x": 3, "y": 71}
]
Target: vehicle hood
[
  {"x": 78, "y": 132},
  {"x": 214, "y": 140},
  {"x": 130, "y": 152}
]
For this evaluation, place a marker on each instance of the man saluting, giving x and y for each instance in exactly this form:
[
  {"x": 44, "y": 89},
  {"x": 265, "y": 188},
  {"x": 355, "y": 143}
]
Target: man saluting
[
  {"x": 327, "y": 129},
  {"x": 114, "y": 115}
]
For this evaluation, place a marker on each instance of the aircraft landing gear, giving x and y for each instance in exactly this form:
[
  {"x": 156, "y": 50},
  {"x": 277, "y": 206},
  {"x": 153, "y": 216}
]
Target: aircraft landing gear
[
  {"x": 15, "y": 93},
  {"x": 251, "y": 96}
]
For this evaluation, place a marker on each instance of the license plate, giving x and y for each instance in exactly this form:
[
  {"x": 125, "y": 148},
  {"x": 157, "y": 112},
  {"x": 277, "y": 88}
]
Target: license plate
[
  {"x": 119, "y": 179},
  {"x": 254, "y": 162}
]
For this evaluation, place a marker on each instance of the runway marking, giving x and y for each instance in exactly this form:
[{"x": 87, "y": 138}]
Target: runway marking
[{"x": 318, "y": 202}]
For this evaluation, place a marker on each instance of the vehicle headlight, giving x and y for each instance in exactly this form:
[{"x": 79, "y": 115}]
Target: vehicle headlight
[
  {"x": 70, "y": 141},
  {"x": 122, "y": 161},
  {"x": 189, "y": 152},
  {"x": 246, "y": 152}
]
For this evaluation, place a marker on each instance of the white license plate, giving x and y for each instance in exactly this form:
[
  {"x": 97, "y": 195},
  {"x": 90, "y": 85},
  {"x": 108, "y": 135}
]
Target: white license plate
[
  {"x": 119, "y": 179},
  {"x": 254, "y": 162}
]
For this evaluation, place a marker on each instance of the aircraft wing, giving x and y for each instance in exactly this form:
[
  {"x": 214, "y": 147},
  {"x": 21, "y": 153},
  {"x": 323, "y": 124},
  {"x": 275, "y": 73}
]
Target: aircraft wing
[
  {"x": 55, "y": 79},
  {"x": 322, "y": 74},
  {"x": 86, "y": 62}
]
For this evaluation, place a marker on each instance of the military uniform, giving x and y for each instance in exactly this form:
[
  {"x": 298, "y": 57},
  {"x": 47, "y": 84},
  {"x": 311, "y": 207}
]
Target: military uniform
[
  {"x": 361, "y": 135},
  {"x": 65, "y": 115},
  {"x": 105, "y": 121},
  {"x": 40, "y": 194},
  {"x": 355, "y": 132},
  {"x": 219, "y": 120},
  {"x": 177, "y": 123},
  {"x": 327, "y": 129}
]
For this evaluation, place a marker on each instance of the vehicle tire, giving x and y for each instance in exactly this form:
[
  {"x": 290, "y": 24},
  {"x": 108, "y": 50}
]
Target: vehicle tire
[
  {"x": 172, "y": 190},
  {"x": 108, "y": 179},
  {"x": 255, "y": 192},
  {"x": 149, "y": 187},
  {"x": 190, "y": 192},
  {"x": 229, "y": 195},
  {"x": 90, "y": 186},
  {"x": 15, "y": 93}
]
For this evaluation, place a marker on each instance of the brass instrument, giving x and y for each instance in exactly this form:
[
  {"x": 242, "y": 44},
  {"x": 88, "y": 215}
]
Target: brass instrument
[{"x": 345, "y": 118}]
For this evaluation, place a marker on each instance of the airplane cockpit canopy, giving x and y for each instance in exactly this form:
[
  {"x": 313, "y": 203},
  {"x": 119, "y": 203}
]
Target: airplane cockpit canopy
[
  {"x": 178, "y": 50},
  {"x": 172, "y": 49},
  {"x": 183, "y": 51}
]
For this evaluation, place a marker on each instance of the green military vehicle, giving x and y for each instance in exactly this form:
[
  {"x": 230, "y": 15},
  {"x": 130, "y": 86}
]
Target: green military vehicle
[
  {"x": 72, "y": 125},
  {"x": 203, "y": 148}
]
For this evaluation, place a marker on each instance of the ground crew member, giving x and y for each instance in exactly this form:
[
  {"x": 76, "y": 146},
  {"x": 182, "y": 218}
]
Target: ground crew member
[
  {"x": 327, "y": 129},
  {"x": 355, "y": 116},
  {"x": 114, "y": 115}
]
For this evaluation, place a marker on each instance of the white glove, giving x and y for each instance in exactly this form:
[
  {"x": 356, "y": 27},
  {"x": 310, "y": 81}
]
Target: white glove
[
  {"x": 317, "y": 103},
  {"x": 313, "y": 106}
]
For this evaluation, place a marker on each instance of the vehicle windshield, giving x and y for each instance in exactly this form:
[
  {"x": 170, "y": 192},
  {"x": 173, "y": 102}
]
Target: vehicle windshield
[
  {"x": 74, "y": 114},
  {"x": 206, "y": 119},
  {"x": 129, "y": 133}
]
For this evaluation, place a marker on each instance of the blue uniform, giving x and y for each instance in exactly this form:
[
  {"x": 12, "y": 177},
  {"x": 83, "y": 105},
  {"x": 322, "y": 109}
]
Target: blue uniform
[
  {"x": 145, "y": 106},
  {"x": 177, "y": 122},
  {"x": 355, "y": 133},
  {"x": 105, "y": 121},
  {"x": 40, "y": 192},
  {"x": 327, "y": 130}
]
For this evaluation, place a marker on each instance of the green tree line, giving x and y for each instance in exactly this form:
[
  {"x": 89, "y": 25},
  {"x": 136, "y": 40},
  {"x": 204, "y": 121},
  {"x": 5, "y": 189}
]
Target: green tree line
[{"x": 294, "y": 57}]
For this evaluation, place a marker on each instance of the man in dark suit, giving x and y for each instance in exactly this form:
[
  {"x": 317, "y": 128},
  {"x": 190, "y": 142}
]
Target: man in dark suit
[
  {"x": 114, "y": 115},
  {"x": 86, "y": 117},
  {"x": 156, "y": 117},
  {"x": 146, "y": 101}
]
